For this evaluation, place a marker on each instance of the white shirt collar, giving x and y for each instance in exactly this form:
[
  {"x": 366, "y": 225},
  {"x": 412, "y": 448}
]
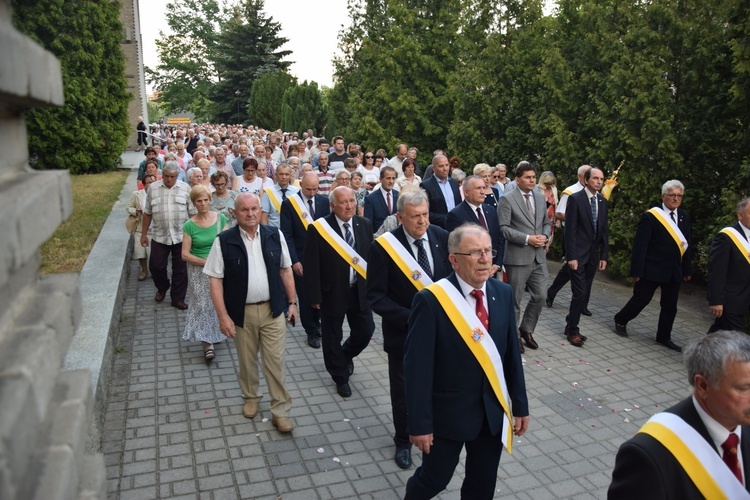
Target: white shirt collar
[
  {"x": 410, "y": 239},
  {"x": 718, "y": 432},
  {"x": 747, "y": 230},
  {"x": 589, "y": 194},
  {"x": 466, "y": 288}
]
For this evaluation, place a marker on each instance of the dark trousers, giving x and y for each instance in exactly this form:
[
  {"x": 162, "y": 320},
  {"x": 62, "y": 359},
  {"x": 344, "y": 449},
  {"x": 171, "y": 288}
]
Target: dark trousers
[
  {"x": 361, "y": 325},
  {"x": 309, "y": 317},
  {"x": 580, "y": 283},
  {"x": 643, "y": 292},
  {"x": 561, "y": 279},
  {"x": 436, "y": 471},
  {"x": 398, "y": 397},
  {"x": 158, "y": 266},
  {"x": 729, "y": 320}
]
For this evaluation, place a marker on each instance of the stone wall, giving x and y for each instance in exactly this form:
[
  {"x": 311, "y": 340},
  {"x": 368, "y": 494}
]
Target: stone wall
[
  {"x": 44, "y": 415},
  {"x": 134, "y": 74}
]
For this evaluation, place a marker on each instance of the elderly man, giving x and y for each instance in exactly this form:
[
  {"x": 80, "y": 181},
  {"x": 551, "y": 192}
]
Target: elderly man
[
  {"x": 396, "y": 162},
  {"x": 220, "y": 163},
  {"x": 442, "y": 191},
  {"x": 297, "y": 213},
  {"x": 661, "y": 258},
  {"x": 275, "y": 196},
  {"x": 522, "y": 213},
  {"x": 699, "y": 448},
  {"x": 729, "y": 273},
  {"x": 244, "y": 152},
  {"x": 168, "y": 206},
  {"x": 251, "y": 287},
  {"x": 335, "y": 273},
  {"x": 382, "y": 202},
  {"x": 407, "y": 259},
  {"x": 325, "y": 174},
  {"x": 463, "y": 372}
]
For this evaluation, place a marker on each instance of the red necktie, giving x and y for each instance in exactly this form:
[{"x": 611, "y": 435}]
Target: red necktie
[
  {"x": 730, "y": 455},
  {"x": 388, "y": 201},
  {"x": 482, "y": 220},
  {"x": 481, "y": 311}
]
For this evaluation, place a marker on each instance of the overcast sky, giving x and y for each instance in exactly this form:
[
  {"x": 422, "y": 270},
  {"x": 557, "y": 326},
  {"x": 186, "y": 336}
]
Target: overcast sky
[{"x": 311, "y": 27}]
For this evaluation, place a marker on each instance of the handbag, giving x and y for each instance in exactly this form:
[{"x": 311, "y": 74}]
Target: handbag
[{"x": 132, "y": 222}]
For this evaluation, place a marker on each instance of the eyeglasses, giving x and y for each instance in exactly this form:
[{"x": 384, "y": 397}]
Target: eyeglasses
[
  {"x": 249, "y": 170},
  {"x": 369, "y": 157},
  {"x": 678, "y": 196},
  {"x": 476, "y": 254},
  {"x": 223, "y": 184}
]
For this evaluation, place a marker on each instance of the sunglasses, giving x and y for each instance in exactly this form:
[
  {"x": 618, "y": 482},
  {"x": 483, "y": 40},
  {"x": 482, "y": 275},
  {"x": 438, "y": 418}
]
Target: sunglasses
[{"x": 369, "y": 157}]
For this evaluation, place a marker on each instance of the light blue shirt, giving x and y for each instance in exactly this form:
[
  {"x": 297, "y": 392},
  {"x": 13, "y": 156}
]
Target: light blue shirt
[{"x": 445, "y": 187}]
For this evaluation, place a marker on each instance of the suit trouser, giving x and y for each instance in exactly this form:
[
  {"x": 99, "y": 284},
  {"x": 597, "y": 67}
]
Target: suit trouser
[
  {"x": 309, "y": 317},
  {"x": 157, "y": 265},
  {"x": 561, "y": 278},
  {"x": 436, "y": 471},
  {"x": 262, "y": 332},
  {"x": 361, "y": 326},
  {"x": 398, "y": 397},
  {"x": 533, "y": 276},
  {"x": 580, "y": 282},
  {"x": 643, "y": 292},
  {"x": 729, "y": 320}
]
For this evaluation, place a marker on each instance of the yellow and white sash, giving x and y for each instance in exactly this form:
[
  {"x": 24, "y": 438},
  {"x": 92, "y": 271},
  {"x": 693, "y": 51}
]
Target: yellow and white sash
[
  {"x": 302, "y": 212},
  {"x": 698, "y": 458},
  {"x": 405, "y": 261},
  {"x": 671, "y": 227},
  {"x": 342, "y": 248},
  {"x": 274, "y": 197},
  {"x": 742, "y": 244},
  {"x": 480, "y": 344}
]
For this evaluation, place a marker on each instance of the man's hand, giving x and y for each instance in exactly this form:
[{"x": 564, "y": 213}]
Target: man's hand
[
  {"x": 315, "y": 306},
  {"x": 602, "y": 265},
  {"x": 717, "y": 311},
  {"x": 297, "y": 268},
  {"x": 226, "y": 326},
  {"x": 520, "y": 425},
  {"x": 687, "y": 278},
  {"x": 573, "y": 264},
  {"x": 291, "y": 315},
  {"x": 423, "y": 442},
  {"x": 144, "y": 240}
]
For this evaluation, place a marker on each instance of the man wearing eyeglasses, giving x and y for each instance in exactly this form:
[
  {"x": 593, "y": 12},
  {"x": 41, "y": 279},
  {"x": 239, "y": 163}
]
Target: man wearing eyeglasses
[
  {"x": 463, "y": 373},
  {"x": 661, "y": 258}
]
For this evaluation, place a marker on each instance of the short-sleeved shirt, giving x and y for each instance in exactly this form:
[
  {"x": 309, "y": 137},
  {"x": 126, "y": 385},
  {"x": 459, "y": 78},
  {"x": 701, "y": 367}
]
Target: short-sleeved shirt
[
  {"x": 268, "y": 207},
  {"x": 203, "y": 237},
  {"x": 169, "y": 209}
]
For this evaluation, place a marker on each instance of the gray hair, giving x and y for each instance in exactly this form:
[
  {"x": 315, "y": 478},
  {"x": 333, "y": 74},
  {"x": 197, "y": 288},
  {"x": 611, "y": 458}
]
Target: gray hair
[
  {"x": 171, "y": 166},
  {"x": 742, "y": 205},
  {"x": 458, "y": 175},
  {"x": 454, "y": 239},
  {"x": 191, "y": 172},
  {"x": 332, "y": 197},
  {"x": 709, "y": 355},
  {"x": 284, "y": 165},
  {"x": 670, "y": 185},
  {"x": 413, "y": 197},
  {"x": 343, "y": 173}
]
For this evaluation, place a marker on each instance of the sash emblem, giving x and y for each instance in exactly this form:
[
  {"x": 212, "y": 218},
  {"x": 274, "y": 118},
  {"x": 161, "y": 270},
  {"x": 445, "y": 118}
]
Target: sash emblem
[
  {"x": 477, "y": 335},
  {"x": 355, "y": 260},
  {"x": 415, "y": 275}
]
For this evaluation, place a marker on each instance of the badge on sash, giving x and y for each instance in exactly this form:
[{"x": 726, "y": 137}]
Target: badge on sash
[
  {"x": 415, "y": 275},
  {"x": 477, "y": 335}
]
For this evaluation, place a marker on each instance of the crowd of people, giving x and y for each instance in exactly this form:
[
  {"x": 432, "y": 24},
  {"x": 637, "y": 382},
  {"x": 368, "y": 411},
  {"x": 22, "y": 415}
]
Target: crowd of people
[{"x": 265, "y": 228}]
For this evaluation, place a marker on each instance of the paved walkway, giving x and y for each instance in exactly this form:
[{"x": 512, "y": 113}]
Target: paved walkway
[{"x": 175, "y": 429}]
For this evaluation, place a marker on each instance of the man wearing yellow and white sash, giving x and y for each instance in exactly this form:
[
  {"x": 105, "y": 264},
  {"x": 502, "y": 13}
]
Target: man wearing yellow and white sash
[
  {"x": 699, "y": 448},
  {"x": 463, "y": 373},
  {"x": 404, "y": 261},
  {"x": 661, "y": 258},
  {"x": 335, "y": 273},
  {"x": 274, "y": 196},
  {"x": 729, "y": 273}
]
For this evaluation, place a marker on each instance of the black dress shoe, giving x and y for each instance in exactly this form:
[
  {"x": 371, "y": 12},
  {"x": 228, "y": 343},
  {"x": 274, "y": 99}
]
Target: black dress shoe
[
  {"x": 350, "y": 366},
  {"x": 521, "y": 347},
  {"x": 670, "y": 345},
  {"x": 344, "y": 390},
  {"x": 403, "y": 457},
  {"x": 620, "y": 329},
  {"x": 529, "y": 339},
  {"x": 313, "y": 341},
  {"x": 586, "y": 312},
  {"x": 549, "y": 301}
]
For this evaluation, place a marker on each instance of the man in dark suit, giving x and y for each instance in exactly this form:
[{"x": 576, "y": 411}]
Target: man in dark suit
[
  {"x": 382, "y": 202},
  {"x": 661, "y": 258},
  {"x": 729, "y": 273},
  {"x": 442, "y": 191},
  {"x": 335, "y": 287},
  {"x": 294, "y": 214},
  {"x": 390, "y": 292},
  {"x": 522, "y": 213},
  {"x": 645, "y": 468},
  {"x": 449, "y": 396},
  {"x": 470, "y": 209},
  {"x": 586, "y": 246}
]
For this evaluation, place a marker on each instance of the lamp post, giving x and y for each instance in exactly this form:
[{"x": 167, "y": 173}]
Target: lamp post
[{"x": 237, "y": 93}]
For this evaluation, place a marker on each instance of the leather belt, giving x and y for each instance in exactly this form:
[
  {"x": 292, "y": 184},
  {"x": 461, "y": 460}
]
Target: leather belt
[{"x": 256, "y": 303}]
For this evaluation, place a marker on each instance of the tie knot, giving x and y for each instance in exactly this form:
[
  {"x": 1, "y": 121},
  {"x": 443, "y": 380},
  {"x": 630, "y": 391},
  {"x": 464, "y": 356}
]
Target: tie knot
[
  {"x": 418, "y": 242},
  {"x": 346, "y": 225},
  {"x": 477, "y": 294},
  {"x": 283, "y": 190},
  {"x": 730, "y": 445}
]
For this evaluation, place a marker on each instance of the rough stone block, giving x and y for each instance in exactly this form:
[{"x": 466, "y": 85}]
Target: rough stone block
[
  {"x": 93, "y": 480},
  {"x": 58, "y": 478},
  {"x": 44, "y": 204},
  {"x": 13, "y": 141},
  {"x": 18, "y": 424},
  {"x": 14, "y": 79}
]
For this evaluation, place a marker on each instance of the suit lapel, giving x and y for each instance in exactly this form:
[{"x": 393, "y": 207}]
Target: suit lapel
[{"x": 521, "y": 202}]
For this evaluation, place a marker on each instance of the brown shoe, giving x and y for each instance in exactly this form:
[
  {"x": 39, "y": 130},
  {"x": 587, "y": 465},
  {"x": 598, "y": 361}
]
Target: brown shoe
[
  {"x": 529, "y": 339},
  {"x": 160, "y": 296},
  {"x": 575, "y": 339},
  {"x": 179, "y": 305},
  {"x": 520, "y": 346},
  {"x": 250, "y": 409},
  {"x": 283, "y": 424}
]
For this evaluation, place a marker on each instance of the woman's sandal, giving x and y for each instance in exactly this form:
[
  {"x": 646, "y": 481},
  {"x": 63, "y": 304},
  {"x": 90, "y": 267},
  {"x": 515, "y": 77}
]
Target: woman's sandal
[{"x": 209, "y": 354}]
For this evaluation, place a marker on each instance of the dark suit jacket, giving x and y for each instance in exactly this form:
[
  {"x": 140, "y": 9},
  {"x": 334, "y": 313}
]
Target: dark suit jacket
[
  {"x": 655, "y": 255},
  {"x": 447, "y": 393},
  {"x": 326, "y": 272},
  {"x": 376, "y": 210},
  {"x": 464, "y": 213},
  {"x": 294, "y": 232},
  {"x": 438, "y": 208},
  {"x": 728, "y": 274},
  {"x": 390, "y": 292},
  {"x": 580, "y": 242},
  {"x": 644, "y": 469}
]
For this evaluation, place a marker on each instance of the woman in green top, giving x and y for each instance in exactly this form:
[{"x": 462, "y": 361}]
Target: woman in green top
[{"x": 198, "y": 234}]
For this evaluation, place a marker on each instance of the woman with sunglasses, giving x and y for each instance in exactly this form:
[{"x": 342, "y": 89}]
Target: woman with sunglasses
[{"x": 370, "y": 173}]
